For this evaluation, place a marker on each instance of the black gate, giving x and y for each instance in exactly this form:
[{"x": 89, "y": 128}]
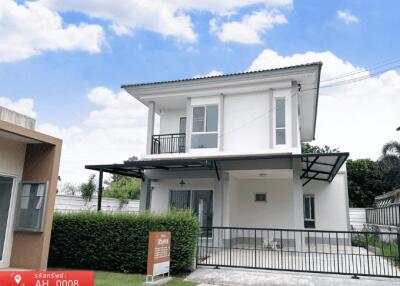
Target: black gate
[{"x": 337, "y": 252}]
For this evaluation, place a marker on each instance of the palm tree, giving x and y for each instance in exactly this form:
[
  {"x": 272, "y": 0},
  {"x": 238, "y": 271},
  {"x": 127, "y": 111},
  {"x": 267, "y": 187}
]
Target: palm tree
[{"x": 389, "y": 163}]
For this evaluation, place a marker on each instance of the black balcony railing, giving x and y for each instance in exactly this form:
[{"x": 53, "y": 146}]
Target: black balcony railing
[
  {"x": 168, "y": 143},
  {"x": 337, "y": 252},
  {"x": 387, "y": 215}
]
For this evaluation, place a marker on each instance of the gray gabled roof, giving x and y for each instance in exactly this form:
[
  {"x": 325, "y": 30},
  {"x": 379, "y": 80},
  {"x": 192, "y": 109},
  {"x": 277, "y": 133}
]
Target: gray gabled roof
[{"x": 224, "y": 75}]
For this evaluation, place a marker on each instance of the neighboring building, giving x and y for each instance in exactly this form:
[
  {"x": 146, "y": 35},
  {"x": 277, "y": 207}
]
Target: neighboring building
[
  {"x": 387, "y": 199},
  {"x": 28, "y": 179},
  {"x": 230, "y": 148}
]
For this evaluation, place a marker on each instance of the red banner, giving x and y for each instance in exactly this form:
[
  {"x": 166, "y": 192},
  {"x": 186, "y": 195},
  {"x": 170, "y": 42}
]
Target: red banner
[{"x": 46, "y": 278}]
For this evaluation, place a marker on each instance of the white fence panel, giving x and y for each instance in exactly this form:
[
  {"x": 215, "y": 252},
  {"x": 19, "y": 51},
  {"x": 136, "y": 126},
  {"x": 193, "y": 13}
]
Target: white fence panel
[
  {"x": 66, "y": 203},
  {"x": 357, "y": 218}
]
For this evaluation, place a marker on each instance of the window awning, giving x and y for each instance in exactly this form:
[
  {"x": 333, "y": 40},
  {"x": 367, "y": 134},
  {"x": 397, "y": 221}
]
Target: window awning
[{"x": 320, "y": 167}]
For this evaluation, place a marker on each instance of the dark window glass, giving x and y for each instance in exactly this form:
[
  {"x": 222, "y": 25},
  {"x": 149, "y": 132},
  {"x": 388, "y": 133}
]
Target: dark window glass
[
  {"x": 309, "y": 211},
  {"x": 179, "y": 199},
  {"x": 31, "y": 207},
  {"x": 198, "y": 119},
  {"x": 261, "y": 197},
  {"x": 182, "y": 125},
  {"x": 212, "y": 118},
  {"x": 280, "y": 121},
  {"x": 280, "y": 112}
]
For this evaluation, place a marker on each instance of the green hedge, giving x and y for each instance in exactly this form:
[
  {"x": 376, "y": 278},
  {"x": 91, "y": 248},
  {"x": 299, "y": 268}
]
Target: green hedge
[{"x": 118, "y": 242}]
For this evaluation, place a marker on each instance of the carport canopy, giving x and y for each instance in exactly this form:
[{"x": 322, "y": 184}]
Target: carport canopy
[{"x": 315, "y": 166}]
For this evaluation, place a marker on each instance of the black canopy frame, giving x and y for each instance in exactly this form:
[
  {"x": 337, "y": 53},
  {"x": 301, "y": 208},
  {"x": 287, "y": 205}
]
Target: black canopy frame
[{"x": 315, "y": 166}]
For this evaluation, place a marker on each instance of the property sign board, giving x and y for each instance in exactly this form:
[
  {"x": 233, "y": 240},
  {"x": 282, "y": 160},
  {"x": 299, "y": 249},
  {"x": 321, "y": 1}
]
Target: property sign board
[{"x": 158, "y": 258}]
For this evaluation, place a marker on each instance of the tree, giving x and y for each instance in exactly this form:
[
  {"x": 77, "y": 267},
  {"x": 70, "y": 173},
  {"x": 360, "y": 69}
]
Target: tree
[
  {"x": 389, "y": 163},
  {"x": 123, "y": 187},
  {"x": 365, "y": 181},
  {"x": 87, "y": 189},
  {"x": 308, "y": 148}
]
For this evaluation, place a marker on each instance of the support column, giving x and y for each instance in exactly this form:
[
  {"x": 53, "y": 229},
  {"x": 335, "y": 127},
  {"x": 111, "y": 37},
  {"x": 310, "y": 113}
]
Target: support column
[
  {"x": 150, "y": 126},
  {"x": 100, "y": 192},
  {"x": 145, "y": 195},
  {"x": 295, "y": 116},
  {"x": 188, "y": 124},
  {"x": 298, "y": 217}
]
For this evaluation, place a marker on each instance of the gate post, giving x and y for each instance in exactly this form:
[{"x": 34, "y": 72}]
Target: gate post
[{"x": 398, "y": 244}]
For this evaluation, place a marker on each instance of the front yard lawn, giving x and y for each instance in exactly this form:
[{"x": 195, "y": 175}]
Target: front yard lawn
[{"x": 119, "y": 279}]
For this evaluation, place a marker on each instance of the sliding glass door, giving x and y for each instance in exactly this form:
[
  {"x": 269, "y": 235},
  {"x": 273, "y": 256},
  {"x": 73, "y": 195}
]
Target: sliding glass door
[
  {"x": 200, "y": 201},
  {"x": 6, "y": 187}
]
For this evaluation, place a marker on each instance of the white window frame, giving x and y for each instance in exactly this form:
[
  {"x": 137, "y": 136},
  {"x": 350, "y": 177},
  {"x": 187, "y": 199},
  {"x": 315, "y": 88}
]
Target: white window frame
[
  {"x": 288, "y": 138},
  {"x": 205, "y": 124},
  {"x": 8, "y": 241}
]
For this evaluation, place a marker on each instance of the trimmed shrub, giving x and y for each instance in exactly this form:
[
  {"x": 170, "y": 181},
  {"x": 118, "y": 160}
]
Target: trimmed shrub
[{"x": 118, "y": 242}]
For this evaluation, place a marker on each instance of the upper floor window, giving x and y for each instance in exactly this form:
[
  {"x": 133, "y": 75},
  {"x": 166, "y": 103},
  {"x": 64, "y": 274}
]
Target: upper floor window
[
  {"x": 280, "y": 121},
  {"x": 182, "y": 125},
  {"x": 205, "y": 126}
]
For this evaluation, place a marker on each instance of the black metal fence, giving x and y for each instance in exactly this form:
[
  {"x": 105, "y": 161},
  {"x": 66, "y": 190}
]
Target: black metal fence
[
  {"x": 337, "y": 252},
  {"x": 168, "y": 143},
  {"x": 387, "y": 215}
]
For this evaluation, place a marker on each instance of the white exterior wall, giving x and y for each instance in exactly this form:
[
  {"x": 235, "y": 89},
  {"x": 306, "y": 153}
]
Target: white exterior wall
[
  {"x": 331, "y": 202},
  {"x": 234, "y": 201},
  {"x": 357, "y": 218},
  {"x": 169, "y": 120},
  {"x": 277, "y": 212},
  {"x": 246, "y": 122},
  {"x": 12, "y": 154},
  {"x": 239, "y": 109},
  {"x": 67, "y": 204}
]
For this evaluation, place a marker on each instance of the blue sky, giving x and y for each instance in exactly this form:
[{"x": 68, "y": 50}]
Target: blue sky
[{"x": 58, "y": 78}]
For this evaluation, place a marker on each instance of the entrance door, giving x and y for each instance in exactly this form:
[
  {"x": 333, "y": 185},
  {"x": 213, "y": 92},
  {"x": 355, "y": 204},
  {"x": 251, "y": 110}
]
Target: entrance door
[
  {"x": 6, "y": 187},
  {"x": 202, "y": 204}
]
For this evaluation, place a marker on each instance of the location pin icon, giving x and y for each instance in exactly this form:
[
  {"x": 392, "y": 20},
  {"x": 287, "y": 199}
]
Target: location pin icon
[{"x": 17, "y": 278}]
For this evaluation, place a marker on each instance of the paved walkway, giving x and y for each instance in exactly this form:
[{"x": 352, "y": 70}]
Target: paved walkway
[
  {"x": 346, "y": 260},
  {"x": 244, "y": 277}
]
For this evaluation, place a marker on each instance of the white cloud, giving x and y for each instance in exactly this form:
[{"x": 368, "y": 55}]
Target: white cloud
[
  {"x": 31, "y": 28},
  {"x": 358, "y": 118},
  {"x": 250, "y": 29},
  {"x": 211, "y": 73},
  {"x": 114, "y": 131},
  {"x": 168, "y": 18},
  {"x": 346, "y": 17},
  {"x": 23, "y": 105}
]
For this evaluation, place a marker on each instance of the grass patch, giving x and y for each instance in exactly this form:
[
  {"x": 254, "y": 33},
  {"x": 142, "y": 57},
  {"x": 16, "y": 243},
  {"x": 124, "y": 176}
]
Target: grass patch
[
  {"x": 102, "y": 278},
  {"x": 382, "y": 248}
]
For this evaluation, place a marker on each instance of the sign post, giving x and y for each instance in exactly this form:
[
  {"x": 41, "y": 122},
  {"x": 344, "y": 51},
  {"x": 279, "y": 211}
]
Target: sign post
[{"x": 158, "y": 258}]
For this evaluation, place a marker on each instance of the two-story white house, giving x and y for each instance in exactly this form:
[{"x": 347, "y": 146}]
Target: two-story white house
[{"x": 229, "y": 147}]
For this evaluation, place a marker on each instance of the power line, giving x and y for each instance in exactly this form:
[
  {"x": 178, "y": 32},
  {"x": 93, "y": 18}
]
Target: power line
[
  {"x": 354, "y": 80},
  {"x": 367, "y": 69},
  {"x": 338, "y": 83}
]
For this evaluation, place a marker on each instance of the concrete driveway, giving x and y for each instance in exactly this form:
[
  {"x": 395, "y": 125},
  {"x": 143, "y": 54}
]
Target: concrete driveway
[{"x": 244, "y": 277}]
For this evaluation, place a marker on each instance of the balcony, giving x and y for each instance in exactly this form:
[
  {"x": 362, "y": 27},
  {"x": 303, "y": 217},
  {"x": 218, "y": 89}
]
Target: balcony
[{"x": 168, "y": 143}]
